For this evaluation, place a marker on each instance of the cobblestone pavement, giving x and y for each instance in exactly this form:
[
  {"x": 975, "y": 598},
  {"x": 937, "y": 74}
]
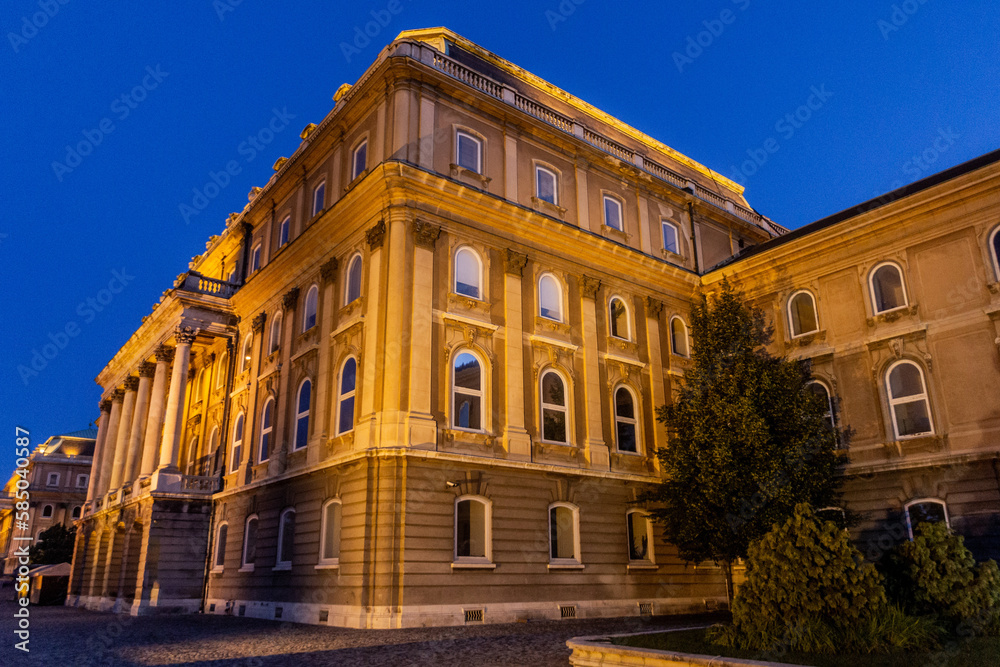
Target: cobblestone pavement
[{"x": 64, "y": 637}]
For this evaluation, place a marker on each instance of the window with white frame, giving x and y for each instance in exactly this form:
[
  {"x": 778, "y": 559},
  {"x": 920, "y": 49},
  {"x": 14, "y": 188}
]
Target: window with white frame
[
  {"x": 467, "y": 392},
  {"x": 352, "y": 290},
  {"x": 472, "y": 531},
  {"x": 640, "y": 537},
  {"x": 309, "y": 313},
  {"x": 330, "y": 533},
  {"x": 302, "y": 415},
  {"x": 802, "y": 314},
  {"x": 249, "y": 554},
  {"x": 286, "y": 539},
  {"x": 908, "y": 403},
  {"x": 546, "y": 185},
  {"x": 679, "y": 337},
  {"x": 266, "y": 427},
  {"x": 925, "y": 510},
  {"x": 995, "y": 252},
  {"x": 834, "y": 515},
  {"x": 359, "y": 159},
  {"x": 564, "y": 534},
  {"x": 284, "y": 230},
  {"x": 76, "y": 512},
  {"x": 820, "y": 391},
  {"x": 888, "y": 289},
  {"x": 319, "y": 198},
  {"x": 245, "y": 353},
  {"x": 255, "y": 258},
  {"x": 213, "y": 441},
  {"x": 220, "y": 375},
  {"x": 550, "y": 297},
  {"x": 52, "y": 479},
  {"x": 234, "y": 462},
  {"x": 626, "y": 422},
  {"x": 219, "y": 561},
  {"x": 82, "y": 481},
  {"x": 554, "y": 408},
  {"x": 613, "y": 213},
  {"x": 47, "y": 511},
  {"x": 348, "y": 389},
  {"x": 618, "y": 318},
  {"x": 671, "y": 237},
  {"x": 468, "y": 152},
  {"x": 274, "y": 342},
  {"x": 468, "y": 273}
]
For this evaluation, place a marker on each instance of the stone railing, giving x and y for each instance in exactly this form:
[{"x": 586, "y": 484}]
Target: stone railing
[
  {"x": 199, "y": 484},
  {"x": 192, "y": 281}
]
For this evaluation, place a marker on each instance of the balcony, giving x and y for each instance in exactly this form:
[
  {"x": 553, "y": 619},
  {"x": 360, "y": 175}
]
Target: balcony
[{"x": 194, "y": 282}]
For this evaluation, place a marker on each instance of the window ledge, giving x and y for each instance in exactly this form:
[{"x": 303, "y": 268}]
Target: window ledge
[
  {"x": 328, "y": 566},
  {"x": 217, "y": 570},
  {"x": 566, "y": 566},
  {"x": 615, "y": 234},
  {"x": 357, "y": 179},
  {"x": 473, "y": 566},
  {"x": 282, "y": 567},
  {"x": 246, "y": 568},
  {"x": 457, "y": 170},
  {"x": 546, "y": 205},
  {"x": 670, "y": 254},
  {"x": 643, "y": 566},
  {"x": 889, "y": 316}
]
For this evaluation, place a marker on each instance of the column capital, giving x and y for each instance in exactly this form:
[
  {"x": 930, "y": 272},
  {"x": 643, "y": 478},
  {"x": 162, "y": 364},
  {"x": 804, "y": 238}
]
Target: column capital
[
  {"x": 185, "y": 335},
  {"x": 164, "y": 354},
  {"x": 147, "y": 370},
  {"x": 328, "y": 270},
  {"x": 118, "y": 395},
  {"x": 653, "y": 307},
  {"x": 425, "y": 234},
  {"x": 514, "y": 262},
  {"x": 589, "y": 286},
  {"x": 131, "y": 383},
  {"x": 258, "y": 322},
  {"x": 376, "y": 235},
  {"x": 105, "y": 405},
  {"x": 290, "y": 298}
]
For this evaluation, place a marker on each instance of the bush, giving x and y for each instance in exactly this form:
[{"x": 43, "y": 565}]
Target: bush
[
  {"x": 936, "y": 575},
  {"x": 808, "y": 589}
]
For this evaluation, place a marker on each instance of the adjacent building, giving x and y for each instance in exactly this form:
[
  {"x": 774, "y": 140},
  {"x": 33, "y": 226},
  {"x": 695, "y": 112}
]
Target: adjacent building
[{"x": 414, "y": 380}]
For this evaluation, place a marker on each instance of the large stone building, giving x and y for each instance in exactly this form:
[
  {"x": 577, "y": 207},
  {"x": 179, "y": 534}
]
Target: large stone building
[{"x": 413, "y": 382}]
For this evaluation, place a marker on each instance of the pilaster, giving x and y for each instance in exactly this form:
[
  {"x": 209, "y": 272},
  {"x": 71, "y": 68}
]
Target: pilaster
[
  {"x": 596, "y": 453},
  {"x": 516, "y": 440}
]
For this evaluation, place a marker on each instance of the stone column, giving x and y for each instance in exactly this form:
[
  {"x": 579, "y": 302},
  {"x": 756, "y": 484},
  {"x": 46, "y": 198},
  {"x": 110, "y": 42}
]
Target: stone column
[
  {"x": 138, "y": 422},
  {"x": 516, "y": 438},
  {"x": 395, "y": 332},
  {"x": 421, "y": 427},
  {"x": 154, "y": 420},
  {"x": 124, "y": 428},
  {"x": 108, "y": 455},
  {"x": 95, "y": 466},
  {"x": 325, "y": 380},
  {"x": 172, "y": 422},
  {"x": 597, "y": 453},
  {"x": 364, "y": 436},
  {"x": 654, "y": 308}
]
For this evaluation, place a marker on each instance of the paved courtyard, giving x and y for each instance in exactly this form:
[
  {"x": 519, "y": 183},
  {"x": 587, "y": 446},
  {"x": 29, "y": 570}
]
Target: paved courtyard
[{"x": 62, "y": 637}]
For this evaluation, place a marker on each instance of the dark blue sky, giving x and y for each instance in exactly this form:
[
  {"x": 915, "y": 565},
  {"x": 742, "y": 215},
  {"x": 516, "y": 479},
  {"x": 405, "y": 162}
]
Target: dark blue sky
[{"x": 715, "y": 80}]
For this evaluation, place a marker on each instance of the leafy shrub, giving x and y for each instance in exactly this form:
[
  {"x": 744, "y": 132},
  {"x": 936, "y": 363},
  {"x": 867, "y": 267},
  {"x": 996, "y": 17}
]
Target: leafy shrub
[{"x": 936, "y": 575}]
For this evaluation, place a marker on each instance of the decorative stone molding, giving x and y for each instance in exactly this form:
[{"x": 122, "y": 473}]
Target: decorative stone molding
[
  {"x": 105, "y": 405},
  {"x": 258, "y": 322},
  {"x": 654, "y": 307},
  {"x": 425, "y": 234},
  {"x": 626, "y": 346},
  {"x": 328, "y": 270},
  {"x": 185, "y": 335},
  {"x": 376, "y": 235},
  {"x": 118, "y": 395},
  {"x": 290, "y": 298},
  {"x": 548, "y": 207},
  {"x": 467, "y": 303},
  {"x": 458, "y": 171},
  {"x": 893, "y": 315},
  {"x": 147, "y": 370},
  {"x": 993, "y": 287},
  {"x": 589, "y": 286},
  {"x": 131, "y": 383},
  {"x": 514, "y": 262},
  {"x": 806, "y": 340},
  {"x": 164, "y": 353},
  {"x": 545, "y": 324}
]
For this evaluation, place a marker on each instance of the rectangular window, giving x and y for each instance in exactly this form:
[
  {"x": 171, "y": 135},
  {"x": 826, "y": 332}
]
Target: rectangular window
[
  {"x": 319, "y": 198},
  {"x": 255, "y": 258},
  {"x": 469, "y": 152},
  {"x": 670, "y": 243},
  {"x": 360, "y": 161},
  {"x": 82, "y": 481},
  {"x": 545, "y": 183},
  {"x": 638, "y": 537},
  {"x": 613, "y": 213},
  {"x": 283, "y": 231},
  {"x": 52, "y": 479}
]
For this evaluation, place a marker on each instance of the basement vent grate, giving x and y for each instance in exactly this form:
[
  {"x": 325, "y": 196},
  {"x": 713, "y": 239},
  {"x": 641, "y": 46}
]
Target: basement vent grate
[
  {"x": 278, "y": 611},
  {"x": 567, "y": 611},
  {"x": 211, "y": 607},
  {"x": 324, "y": 616},
  {"x": 473, "y": 615},
  {"x": 243, "y": 610},
  {"x": 645, "y": 608}
]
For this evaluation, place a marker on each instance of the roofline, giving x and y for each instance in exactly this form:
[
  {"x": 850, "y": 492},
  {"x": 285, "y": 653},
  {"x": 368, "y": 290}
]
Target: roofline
[{"x": 876, "y": 203}]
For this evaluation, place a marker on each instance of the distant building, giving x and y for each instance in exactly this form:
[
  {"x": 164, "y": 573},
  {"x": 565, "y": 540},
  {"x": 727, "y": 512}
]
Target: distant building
[
  {"x": 58, "y": 477},
  {"x": 414, "y": 381}
]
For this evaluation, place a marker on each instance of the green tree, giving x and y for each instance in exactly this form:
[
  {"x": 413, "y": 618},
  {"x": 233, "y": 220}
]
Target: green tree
[
  {"x": 748, "y": 440},
  {"x": 55, "y": 545}
]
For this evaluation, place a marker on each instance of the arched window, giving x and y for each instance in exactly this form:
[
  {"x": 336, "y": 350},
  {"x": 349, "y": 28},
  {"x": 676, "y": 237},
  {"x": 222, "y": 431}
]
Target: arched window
[
  {"x": 911, "y": 412},
  {"x": 245, "y": 353},
  {"x": 352, "y": 290},
  {"x": 546, "y": 185},
  {"x": 834, "y": 515},
  {"x": 266, "y": 426},
  {"x": 284, "y": 230},
  {"x": 319, "y": 198},
  {"x": 348, "y": 385},
  {"x": 550, "y": 297},
  {"x": 274, "y": 341},
  {"x": 220, "y": 547},
  {"x": 286, "y": 539},
  {"x": 468, "y": 152},
  {"x": 472, "y": 530},
  {"x": 618, "y": 316},
  {"x": 330, "y": 533},
  {"x": 640, "y": 536},
  {"x": 359, "y": 159},
  {"x": 220, "y": 375},
  {"x": 613, "y": 213},
  {"x": 671, "y": 237},
  {"x": 626, "y": 423},
  {"x": 925, "y": 510},
  {"x": 802, "y": 314},
  {"x": 302, "y": 415},
  {"x": 234, "y": 463},
  {"x": 821, "y": 392},
  {"x": 888, "y": 290},
  {"x": 467, "y": 392},
  {"x": 249, "y": 544},
  {"x": 554, "y": 407},
  {"x": 468, "y": 273},
  {"x": 309, "y": 313},
  {"x": 564, "y": 534},
  {"x": 679, "y": 337},
  {"x": 76, "y": 512},
  {"x": 995, "y": 248}
]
